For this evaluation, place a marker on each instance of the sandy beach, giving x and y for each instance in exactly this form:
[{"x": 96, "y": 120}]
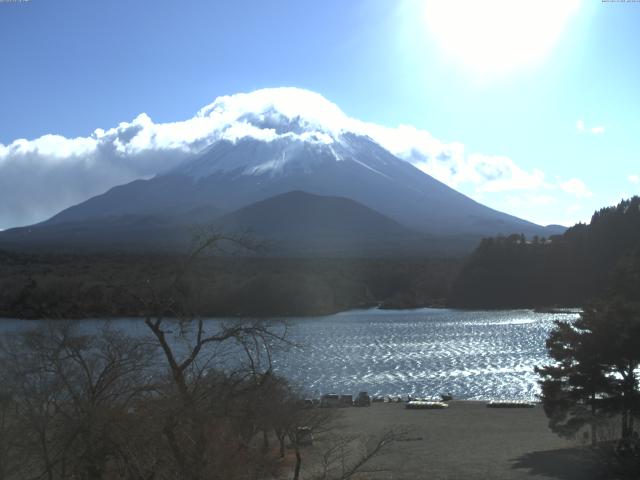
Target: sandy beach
[{"x": 470, "y": 441}]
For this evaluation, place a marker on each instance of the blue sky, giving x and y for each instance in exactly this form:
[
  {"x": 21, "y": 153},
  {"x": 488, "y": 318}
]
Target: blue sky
[{"x": 562, "y": 120}]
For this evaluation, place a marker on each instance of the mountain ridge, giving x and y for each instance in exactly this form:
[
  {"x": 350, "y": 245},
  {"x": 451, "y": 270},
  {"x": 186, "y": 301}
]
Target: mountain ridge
[
  {"x": 295, "y": 223},
  {"x": 371, "y": 176},
  {"x": 276, "y": 149}
]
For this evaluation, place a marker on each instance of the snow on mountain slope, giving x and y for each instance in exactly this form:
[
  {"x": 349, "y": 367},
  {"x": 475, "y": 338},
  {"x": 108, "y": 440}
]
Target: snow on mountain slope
[
  {"x": 33, "y": 173},
  {"x": 283, "y": 111},
  {"x": 274, "y": 141},
  {"x": 288, "y": 120}
]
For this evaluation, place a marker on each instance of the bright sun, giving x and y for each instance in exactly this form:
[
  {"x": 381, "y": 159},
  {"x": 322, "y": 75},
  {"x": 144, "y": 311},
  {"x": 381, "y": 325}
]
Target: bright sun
[{"x": 497, "y": 36}]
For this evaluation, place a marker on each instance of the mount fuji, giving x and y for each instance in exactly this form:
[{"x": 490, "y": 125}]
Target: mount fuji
[{"x": 267, "y": 144}]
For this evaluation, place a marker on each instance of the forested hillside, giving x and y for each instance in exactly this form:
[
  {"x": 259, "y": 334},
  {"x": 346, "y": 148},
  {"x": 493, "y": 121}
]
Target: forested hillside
[
  {"x": 79, "y": 286},
  {"x": 563, "y": 270}
]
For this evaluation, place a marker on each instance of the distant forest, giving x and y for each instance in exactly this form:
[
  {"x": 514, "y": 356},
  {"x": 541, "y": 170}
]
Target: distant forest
[
  {"x": 563, "y": 270},
  {"x": 77, "y": 286},
  {"x": 503, "y": 272}
]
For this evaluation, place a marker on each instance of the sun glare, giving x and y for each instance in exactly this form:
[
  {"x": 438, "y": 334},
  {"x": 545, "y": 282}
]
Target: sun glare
[{"x": 497, "y": 36}]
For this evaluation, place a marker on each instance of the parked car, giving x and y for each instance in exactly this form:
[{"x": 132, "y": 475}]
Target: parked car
[
  {"x": 362, "y": 400},
  {"x": 330, "y": 400}
]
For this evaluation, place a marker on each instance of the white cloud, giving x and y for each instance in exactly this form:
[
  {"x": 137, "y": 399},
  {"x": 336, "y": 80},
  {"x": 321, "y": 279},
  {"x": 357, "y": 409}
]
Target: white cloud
[
  {"x": 40, "y": 177},
  {"x": 634, "y": 178},
  {"x": 450, "y": 163},
  {"x": 575, "y": 187},
  {"x": 499, "y": 173},
  {"x": 595, "y": 130}
]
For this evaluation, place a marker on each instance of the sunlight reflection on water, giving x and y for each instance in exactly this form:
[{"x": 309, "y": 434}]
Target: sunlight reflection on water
[
  {"x": 471, "y": 354},
  {"x": 479, "y": 355}
]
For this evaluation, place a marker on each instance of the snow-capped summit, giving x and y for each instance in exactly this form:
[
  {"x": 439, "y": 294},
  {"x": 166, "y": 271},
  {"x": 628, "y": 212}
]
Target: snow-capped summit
[
  {"x": 276, "y": 131},
  {"x": 273, "y": 113},
  {"x": 266, "y": 143}
]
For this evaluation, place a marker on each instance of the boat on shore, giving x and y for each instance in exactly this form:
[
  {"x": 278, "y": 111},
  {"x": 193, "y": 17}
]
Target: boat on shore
[{"x": 425, "y": 405}]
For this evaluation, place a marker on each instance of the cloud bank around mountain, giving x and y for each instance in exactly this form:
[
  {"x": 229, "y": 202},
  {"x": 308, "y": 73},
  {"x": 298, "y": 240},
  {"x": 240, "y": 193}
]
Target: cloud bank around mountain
[{"x": 40, "y": 177}]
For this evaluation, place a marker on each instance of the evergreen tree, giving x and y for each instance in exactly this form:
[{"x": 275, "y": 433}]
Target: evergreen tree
[{"x": 594, "y": 376}]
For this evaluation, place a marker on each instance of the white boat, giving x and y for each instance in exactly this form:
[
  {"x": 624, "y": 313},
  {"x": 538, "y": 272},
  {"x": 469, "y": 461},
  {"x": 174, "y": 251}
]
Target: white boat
[{"x": 426, "y": 405}]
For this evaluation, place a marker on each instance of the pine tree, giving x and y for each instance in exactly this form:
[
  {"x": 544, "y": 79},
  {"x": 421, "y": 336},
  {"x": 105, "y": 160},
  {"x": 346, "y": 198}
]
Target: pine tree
[{"x": 594, "y": 375}]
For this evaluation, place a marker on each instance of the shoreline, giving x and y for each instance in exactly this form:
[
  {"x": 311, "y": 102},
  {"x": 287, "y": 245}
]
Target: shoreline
[{"x": 381, "y": 308}]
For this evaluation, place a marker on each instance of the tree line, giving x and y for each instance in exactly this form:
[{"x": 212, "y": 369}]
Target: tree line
[
  {"x": 563, "y": 270},
  {"x": 89, "y": 286}
]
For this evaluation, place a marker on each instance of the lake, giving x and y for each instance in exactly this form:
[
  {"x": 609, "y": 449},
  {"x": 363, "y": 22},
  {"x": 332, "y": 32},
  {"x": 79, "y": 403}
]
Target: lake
[{"x": 479, "y": 355}]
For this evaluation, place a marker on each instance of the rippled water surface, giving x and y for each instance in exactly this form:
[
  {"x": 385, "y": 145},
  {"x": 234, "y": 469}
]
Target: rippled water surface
[{"x": 471, "y": 354}]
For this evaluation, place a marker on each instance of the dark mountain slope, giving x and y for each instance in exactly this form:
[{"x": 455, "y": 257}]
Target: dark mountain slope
[
  {"x": 299, "y": 222},
  {"x": 233, "y": 175},
  {"x": 292, "y": 224}
]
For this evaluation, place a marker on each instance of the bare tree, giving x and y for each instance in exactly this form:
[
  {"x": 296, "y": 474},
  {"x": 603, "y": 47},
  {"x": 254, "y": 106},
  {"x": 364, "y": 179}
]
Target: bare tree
[
  {"x": 70, "y": 393},
  {"x": 213, "y": 366},
  {"x": 10, "y": 458},
  {"x": 347, "y": 456}
]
